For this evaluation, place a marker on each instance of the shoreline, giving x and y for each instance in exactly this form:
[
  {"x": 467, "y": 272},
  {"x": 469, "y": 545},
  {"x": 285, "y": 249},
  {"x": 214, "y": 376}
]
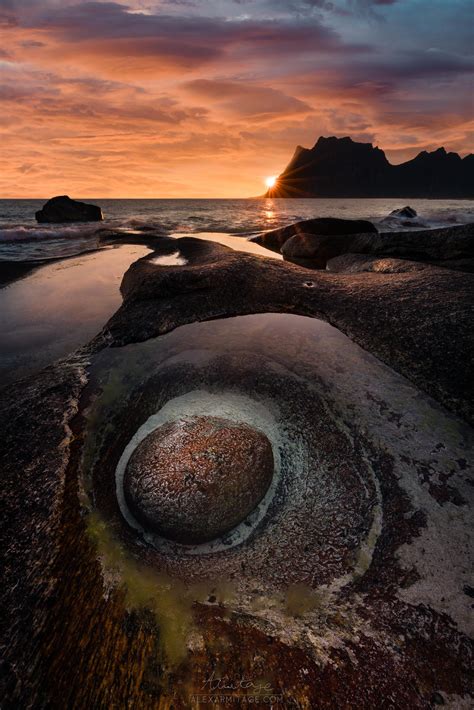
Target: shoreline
[
  {"x": 28, "y": 311},
  {"x": 13, "y": 271}
]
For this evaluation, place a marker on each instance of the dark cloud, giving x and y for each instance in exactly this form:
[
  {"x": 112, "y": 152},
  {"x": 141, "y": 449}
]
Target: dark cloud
[
  {"x": 202, "y": 37},
  {"x": 12, "y": 11},
  {"x": 370, "y": 4},
  {"x": 371, "y": 9},
  {"x": 32, "y": 44},
  {"x": 390, "y": 73}
]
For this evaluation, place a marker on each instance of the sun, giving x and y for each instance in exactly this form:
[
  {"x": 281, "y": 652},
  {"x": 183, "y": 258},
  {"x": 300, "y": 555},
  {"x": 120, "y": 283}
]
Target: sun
[{"x": 271, "y": 181}]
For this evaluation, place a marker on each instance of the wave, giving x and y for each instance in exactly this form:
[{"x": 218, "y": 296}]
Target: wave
[
  {"x": 435, "y": 219},
  {"x": 32, "y": 242},
  {"x": 28, "y": 232}
]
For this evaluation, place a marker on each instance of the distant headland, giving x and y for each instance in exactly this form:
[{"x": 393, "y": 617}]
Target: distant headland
[{"x": 340, "y": 167}]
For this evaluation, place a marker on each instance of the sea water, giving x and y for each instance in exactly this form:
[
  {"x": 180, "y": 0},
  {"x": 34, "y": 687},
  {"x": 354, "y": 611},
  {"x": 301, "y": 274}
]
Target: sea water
[{"x": 23, "y": 239}]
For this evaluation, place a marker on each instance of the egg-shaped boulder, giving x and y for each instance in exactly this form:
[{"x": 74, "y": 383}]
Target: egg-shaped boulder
[{"x": 194, "y": 479}]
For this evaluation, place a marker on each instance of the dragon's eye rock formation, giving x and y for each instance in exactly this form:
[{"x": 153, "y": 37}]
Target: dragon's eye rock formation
[{"x": 195, "y": 479}]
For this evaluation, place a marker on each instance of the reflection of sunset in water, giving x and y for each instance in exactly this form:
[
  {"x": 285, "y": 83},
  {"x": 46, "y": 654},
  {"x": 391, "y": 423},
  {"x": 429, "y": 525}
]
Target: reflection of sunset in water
[
  {"x": 268, "y": 212},
  {"x": 229, "y": 240}
]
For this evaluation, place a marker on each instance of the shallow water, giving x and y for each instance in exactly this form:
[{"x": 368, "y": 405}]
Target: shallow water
[
  {"x": 324, "y": 397},
  {"x": 228, "y": 240},
  {"x": 174, "y": 259},
  {"x": 62, "y": 305},
  {"x": 59, "y": 307}
]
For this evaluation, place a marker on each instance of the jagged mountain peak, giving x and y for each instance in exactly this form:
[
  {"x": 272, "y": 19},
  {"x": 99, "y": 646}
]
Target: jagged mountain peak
[{"x": 342, "y": 167}]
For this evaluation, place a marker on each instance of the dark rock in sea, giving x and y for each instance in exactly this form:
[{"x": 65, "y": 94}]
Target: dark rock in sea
[
  {"x": 404, "y": 212},
  {"x": 63, "y": 209},
  {"x": 340, "y": 167},
  {"x": 195, "y": 479},
  {"x": 403, "y": 217},
  {"x": 328, "y": 226}
]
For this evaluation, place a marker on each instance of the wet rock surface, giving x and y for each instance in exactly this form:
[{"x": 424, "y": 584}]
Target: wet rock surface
[
  {"x": 428, "y": 244},
  {"x": 33, "y": 492},
  {"x": 382, "y": 615},
  {"x": 197, "y": 478},
  {"x": 430, "y": 339},
  {"x": 314, "y": 250},
  {"x": 324, "y": 500},
  {"x": 441, "y": 246},
  {"x": 63, "y": 209}
]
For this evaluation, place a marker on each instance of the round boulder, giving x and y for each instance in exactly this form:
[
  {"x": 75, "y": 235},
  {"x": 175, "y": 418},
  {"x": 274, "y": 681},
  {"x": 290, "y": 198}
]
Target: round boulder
[{"x": 195, "y": 479}]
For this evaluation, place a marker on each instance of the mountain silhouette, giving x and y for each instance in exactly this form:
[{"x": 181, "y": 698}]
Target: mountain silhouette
[{"x": 340, "y": 167}]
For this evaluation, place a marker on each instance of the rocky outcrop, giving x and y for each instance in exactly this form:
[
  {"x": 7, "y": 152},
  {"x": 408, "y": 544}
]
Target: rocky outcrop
[
  {"x": 403, "y": 217},
  {"x": 430, "y": 245},
  {"x": 328, "y": 226},
  {"x": 404, "y": 212},
  {"x": 63, "y": 209},
  {"x": 340, "y": 167},
  {"x": 430, "y": 311},
  {"x": 314, "y": 250},
  {"x": 451, "y": 245},
  {"x": 195, "y": 479},
  {"x": 378, "y": 521}
]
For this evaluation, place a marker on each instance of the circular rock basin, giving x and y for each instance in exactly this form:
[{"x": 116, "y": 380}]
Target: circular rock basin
[{"x": 195, "y": 479}]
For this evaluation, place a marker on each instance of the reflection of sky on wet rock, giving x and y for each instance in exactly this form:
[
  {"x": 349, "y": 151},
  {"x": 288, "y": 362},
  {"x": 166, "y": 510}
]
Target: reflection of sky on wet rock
[
  {"x": 174, "y": 259},
  {"x": 228, "y": 240},
  {"x": 59, "y": 307},
  {"x": 337, "y": 411}
]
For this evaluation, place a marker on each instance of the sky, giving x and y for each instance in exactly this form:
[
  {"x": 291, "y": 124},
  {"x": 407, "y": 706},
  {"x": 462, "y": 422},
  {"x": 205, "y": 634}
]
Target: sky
[{"x": 207, "y": 98}]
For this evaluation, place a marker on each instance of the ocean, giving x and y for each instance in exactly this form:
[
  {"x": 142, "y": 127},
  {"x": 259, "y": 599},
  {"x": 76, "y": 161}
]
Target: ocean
[{"x": 21, "y": 238}]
